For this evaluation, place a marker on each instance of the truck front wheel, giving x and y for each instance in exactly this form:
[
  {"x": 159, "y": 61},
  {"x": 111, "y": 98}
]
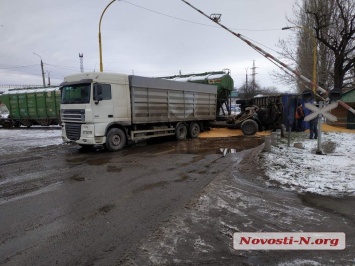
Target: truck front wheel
[
  {"x": 115, "y": 139},
  {"x": 181, "y": 131},
  {"x": 249, "y": 127}
]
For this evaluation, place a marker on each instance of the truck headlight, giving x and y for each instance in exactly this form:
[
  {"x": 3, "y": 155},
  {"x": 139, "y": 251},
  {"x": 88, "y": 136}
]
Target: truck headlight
[{"x": 86, "y": 132}]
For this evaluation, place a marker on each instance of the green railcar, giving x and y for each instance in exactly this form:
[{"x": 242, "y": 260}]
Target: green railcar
[
  {"x": 29, "y": 107},
  {"x": 221, "y": 79}
]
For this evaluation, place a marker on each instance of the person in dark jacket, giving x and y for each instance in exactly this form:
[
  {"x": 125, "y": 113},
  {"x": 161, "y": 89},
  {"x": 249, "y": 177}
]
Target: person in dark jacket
[
  {"x": 299, "y": 117},
  {"x": 313, "y": 128}
]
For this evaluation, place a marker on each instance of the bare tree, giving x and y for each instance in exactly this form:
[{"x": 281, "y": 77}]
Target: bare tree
[
  {"x": 310, "y": 49},
  {"x": 249, "y": 90},
  {"x": 334, "y": 25},
  {"x": 270, "y": 90},
  {"x": 288, "y": 56},
  {"x": 298, "y": 49},
  {"x": 331, "y": 23}
]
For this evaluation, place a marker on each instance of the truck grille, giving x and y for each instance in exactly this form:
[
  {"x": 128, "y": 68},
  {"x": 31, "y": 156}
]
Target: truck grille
[
  {"x": 73, "y": 115},
  {"x": 73, "y": 131}
]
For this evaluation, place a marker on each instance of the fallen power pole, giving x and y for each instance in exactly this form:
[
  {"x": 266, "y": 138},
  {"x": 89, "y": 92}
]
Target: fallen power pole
[{"x": 271, "y": 58}]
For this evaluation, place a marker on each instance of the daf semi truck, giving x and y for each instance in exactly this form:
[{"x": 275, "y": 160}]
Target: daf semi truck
[{"x": 112, "y": 109}]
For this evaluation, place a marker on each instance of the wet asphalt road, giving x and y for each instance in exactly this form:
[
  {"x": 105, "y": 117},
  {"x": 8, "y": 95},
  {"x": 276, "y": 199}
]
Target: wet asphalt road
[
  {"x": 238, "y": 200},
  {"x": 62, "y": 205},
  {"x": 156, "y": 203}
]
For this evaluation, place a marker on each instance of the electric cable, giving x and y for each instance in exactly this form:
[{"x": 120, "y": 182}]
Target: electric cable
[{"x": 189, "y": 21}]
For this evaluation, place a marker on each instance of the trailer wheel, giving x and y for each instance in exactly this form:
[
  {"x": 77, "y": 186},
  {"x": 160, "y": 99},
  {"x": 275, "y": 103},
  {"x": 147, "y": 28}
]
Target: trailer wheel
[
  {"x": 181, "y": 131},
  {"x": 249, "y": 127},
  {"x": 115, "y": 139},
  {"x": 194, "y": 130},
  {"x": 7, "y": 124}
]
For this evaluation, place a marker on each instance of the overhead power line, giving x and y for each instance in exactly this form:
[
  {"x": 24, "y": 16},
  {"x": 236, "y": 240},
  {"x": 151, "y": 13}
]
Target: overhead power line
[
  {"x": 18, "y": 66},
  {"x": 203, "y": 24},
  {"x": 189, "y": 21},
  {"x": 63, "y": 67}
]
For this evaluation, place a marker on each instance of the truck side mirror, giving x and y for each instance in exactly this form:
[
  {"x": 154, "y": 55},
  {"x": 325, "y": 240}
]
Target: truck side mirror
[
  {"x": 99, "y": 90},
  {"x": 97, "y": 93}
]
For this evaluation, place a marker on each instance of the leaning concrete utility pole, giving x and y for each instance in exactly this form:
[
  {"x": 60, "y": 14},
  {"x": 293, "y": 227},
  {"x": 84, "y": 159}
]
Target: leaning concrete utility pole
[
  {"x": 274, "y": 60},
  {"x": 44, "y": 82}
]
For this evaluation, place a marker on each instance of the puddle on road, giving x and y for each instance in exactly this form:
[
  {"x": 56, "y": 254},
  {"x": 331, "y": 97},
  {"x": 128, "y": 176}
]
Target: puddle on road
[
  {"x": 77, "y": 177},
  {"x": 91, "y": 159},
  {"x": 341, "y": 205},
  {"x": 76, "y": 160},
  {"x": 183, "y": 178},
  {"x": 107, "y": 208},
  {"x": 113, "y": 169},
  {"x": 150, "y": 186},
  {"x": 99, "y": 161},
  {"x": 201, "y": 146}
]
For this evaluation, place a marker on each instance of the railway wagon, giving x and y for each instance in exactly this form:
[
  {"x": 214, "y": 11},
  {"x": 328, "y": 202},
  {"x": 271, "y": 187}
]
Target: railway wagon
[
  {"x": 221, "y": 79},
  {"x": 29, "y": 107},
  {"x": 285, "y": 104}
]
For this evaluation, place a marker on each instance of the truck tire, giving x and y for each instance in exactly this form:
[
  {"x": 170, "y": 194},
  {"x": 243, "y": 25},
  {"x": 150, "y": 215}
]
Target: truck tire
[
  {"x": 115, "y": 139},
  {"x": 249, "y": 127},
  {"x": 181, "y": 131},
  {"x": 194, "y": 130}
]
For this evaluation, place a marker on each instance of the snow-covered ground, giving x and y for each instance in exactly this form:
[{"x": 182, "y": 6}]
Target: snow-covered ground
[
  {"x": 16, "y": 140},
  {"x": 305, "y": 171}
]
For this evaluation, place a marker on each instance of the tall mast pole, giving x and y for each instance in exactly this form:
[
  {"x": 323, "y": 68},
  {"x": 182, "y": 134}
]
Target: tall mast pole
[
  {"x": 261, "y": 51},
  {"x": 273, "y": 59}
]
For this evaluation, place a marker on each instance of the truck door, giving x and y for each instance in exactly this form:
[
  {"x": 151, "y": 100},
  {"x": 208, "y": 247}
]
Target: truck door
[{"x": 103, "y": 105}]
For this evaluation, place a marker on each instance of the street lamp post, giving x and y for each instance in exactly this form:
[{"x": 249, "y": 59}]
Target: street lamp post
[
  {"x": 44, "y": 82},
  {"x": 100, "y": 44},
  {"x": 314, "y": 80}
]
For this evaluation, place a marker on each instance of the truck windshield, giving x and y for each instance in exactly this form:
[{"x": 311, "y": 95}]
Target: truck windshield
[{"x": 78, "y": 93}]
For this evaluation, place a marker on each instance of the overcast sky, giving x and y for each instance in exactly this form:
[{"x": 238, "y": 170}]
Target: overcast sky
[{"x": 136, "y": 40}]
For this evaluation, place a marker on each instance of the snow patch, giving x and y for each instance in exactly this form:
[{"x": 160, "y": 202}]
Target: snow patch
[
  {"x": 300, "y": 263},
  {"x": 304, "y": 171}
]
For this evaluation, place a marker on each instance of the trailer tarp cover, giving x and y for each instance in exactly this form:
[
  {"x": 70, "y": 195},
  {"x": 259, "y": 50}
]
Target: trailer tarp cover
[{"x": 144, "y": 82}]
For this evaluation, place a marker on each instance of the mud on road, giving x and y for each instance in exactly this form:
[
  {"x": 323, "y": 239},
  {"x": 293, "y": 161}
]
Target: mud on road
[
  {"x": 239, "y": 201},
  {"x": 63, "y": 205},
  {"x": 157, "y": 203}
]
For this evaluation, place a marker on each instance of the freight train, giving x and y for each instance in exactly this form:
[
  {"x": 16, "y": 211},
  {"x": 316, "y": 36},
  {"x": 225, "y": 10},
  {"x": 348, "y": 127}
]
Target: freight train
[{"x": 27, "y": 107}]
